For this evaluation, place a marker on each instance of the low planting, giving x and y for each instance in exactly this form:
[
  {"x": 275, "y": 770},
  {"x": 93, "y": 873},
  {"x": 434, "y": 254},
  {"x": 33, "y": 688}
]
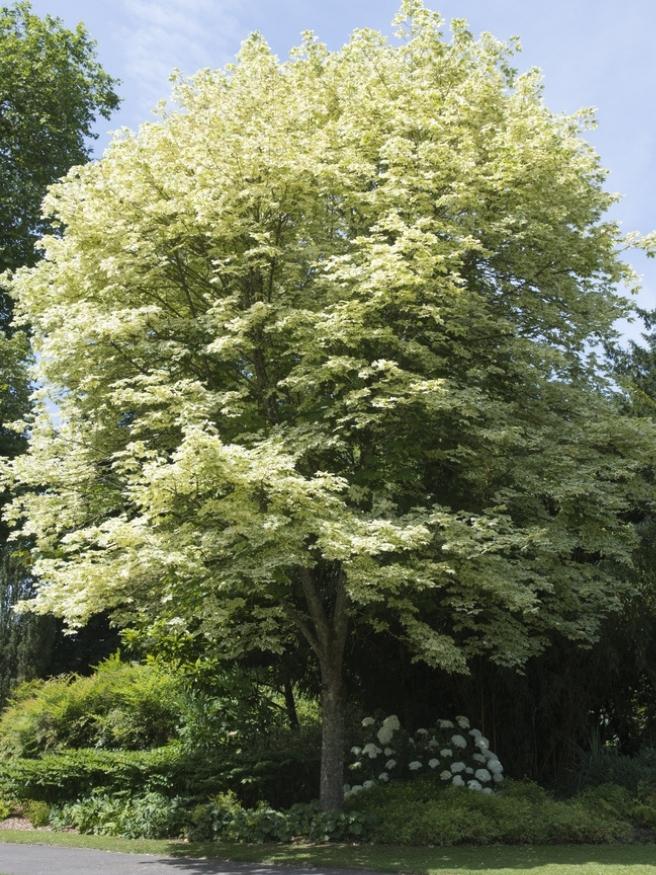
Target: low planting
[
  {"x": 423, "y": 813},
  {"x": 412, "y": 813}
]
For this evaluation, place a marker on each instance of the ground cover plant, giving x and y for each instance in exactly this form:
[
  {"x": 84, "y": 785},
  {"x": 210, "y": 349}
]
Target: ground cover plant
[{"x": 418, "y": 813}]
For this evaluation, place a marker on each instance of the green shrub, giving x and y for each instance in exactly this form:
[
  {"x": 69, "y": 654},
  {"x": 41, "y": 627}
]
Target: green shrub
[
  {"x": 423, "y": 813},
  {"x": 38, "y": 813},
  {"x": 5, "y": 809},
  {"x": 639, "y": 808},
  {"x": 450, "y": 749},
  {"x": 282, "y": 769},
  {"x": 150, "y": 815},
  {"x": 224, "y": 819},
  {"x": 608, "y": 766},
  {"x": 70, "y": 774},
  {"x": 281, "y": 775},
  {"x": 121, "y": 706}
]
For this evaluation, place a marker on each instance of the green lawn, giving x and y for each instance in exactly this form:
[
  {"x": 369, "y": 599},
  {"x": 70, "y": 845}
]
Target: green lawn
[{"x": 549, "y": 860}]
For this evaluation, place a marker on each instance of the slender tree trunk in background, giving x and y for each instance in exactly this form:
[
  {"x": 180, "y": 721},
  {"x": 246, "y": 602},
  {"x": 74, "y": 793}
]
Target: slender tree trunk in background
[
  {"x": 290, "y": 703},
  {"x": 327, "y": 636}
]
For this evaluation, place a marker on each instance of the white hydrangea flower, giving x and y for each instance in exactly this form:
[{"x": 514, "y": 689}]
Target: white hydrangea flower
[
  {"x": 357, "y": 765},
  {"x": 498, "y": 778},
  {"x": 482, "y": 742},
  {"x": 390, "y": 764},
  {"x": 367, "y": 785},
  {"x": 458, "y": 767},
  {"x": 433, "y": 763},
  {"x": 356, "y": 750},
  {"x": 445, "y": 724},
  {"x": 487, "y": 791},
  {"x": 414, "y": 765},
  {"x": 355, "y": 789},
  {"x": 479, "y": 758},
  {"x": 475, "y": 733},
  {"x": 446, "y": 752},
  {"x": 371, "y": 750},
  {"x": 458, "y": 781},
  {"x": 385, "y": 734},
  {"x": 474, "y": 785},
  {"x": 469, "y": 770},
  {"x": 421, "y": 732},
  {"x": 392, "y": 722},
  {"x": 462, "y": 722},
  {"x": 383, "y": 776},
  {"x": 388, "y": 751},
  {"x": 459, "y": 741},
  {"x": 368, "y": 721},
  {"x": 445, "y": 775},
  {"x": 483, "y": 775},
  {"x": 494, "y": 766}
]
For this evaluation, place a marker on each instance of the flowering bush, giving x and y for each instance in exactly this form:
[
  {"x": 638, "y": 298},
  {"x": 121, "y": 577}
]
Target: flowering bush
[{"x": 460, "y": 755}]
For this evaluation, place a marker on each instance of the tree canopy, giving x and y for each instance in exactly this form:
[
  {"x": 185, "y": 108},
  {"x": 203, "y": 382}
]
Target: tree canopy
[
  {"x": 323, "y": 345},
  {"x": 51, "y": 90}
]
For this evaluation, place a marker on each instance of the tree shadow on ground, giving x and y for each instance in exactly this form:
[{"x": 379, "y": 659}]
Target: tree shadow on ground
[{"x": 551, "y": 860}]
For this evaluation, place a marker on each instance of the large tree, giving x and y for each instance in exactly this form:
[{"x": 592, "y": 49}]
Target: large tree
[
  {"x": 322, "y": 341},
  {"x": 51, "y": 90}
]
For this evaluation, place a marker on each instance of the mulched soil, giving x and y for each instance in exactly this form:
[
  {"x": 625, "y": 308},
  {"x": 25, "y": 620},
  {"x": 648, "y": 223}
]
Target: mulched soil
[{"x": 22, "y": 823}]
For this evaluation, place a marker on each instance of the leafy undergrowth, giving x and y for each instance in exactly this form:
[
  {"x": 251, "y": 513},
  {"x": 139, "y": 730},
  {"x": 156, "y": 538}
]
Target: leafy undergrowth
[{"x": 494, "y": 860}]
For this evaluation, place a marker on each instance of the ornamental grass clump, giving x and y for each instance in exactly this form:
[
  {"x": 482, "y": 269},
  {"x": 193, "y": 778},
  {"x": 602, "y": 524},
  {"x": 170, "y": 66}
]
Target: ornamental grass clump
[{"x": 452, "y": 749}]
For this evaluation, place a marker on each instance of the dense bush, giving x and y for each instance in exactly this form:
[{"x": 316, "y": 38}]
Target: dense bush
[
  {"x": 224, "y": 818},
  {"x": 282, "y": 769},
  {"x": 134, "y": 706},
  {"x": 153, "y": 815},
  {"x": 69, "y": 774},
  {"x": 607, "y": 766},
  {"x": 460, "y": 755},
  {"x": 422, "y": 812},
  {"x": 38, "y": 813},
  {"x": 149, "y": 815},
  {"x": 284, "y": 772},
  {"x": 121, "y": 706}
]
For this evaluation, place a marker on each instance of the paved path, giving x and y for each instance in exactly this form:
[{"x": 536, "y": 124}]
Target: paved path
[{"x": 49, "y": 860}]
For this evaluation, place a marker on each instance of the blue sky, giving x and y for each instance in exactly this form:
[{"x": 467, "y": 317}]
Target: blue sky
[{"x": 598, "y": 53}]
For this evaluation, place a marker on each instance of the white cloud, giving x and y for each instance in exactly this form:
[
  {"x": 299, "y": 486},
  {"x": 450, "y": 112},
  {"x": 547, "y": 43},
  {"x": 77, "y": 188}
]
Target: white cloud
[{"x": 160, "y": 35}]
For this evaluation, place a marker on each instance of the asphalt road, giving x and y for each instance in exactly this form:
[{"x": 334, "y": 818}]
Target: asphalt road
[{"x": 48, "y": 860}]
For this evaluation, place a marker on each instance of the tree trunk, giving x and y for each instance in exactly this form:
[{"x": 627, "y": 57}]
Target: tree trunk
[
  {"x": 326, "y": 632},
  {"x": 331, "y": 795}
]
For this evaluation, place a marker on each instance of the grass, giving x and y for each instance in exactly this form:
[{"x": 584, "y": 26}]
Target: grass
[{"x": 494, "y": 860}]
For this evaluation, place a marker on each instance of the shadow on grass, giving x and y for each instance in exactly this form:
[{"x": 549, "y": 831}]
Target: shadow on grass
[{"x": 554, "y": 860}]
